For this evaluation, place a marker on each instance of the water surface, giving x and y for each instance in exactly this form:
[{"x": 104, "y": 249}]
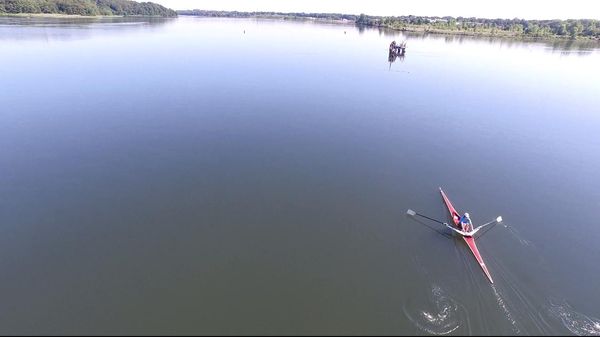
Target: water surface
[{"x": 252, "y": 176}]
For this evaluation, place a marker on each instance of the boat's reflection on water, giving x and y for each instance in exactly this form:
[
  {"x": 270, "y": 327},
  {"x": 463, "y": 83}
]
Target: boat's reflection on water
[{"x": 392, "y": 57}]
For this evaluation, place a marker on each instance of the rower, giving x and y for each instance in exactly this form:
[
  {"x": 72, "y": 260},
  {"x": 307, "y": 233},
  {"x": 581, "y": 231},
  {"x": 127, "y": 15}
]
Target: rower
[{"x": 465, "y": 223}]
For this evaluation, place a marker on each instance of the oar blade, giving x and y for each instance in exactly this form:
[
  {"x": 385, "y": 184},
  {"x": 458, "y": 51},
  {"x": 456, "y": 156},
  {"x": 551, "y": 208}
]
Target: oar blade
[
  {"x": 499, "y": 219},
  {"x": 411, "y": 212}
]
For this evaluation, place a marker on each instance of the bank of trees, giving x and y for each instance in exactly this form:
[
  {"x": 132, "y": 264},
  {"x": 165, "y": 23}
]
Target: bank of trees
[
  {"x": 235, "y": 14},
  {"x": 448, "y": 24},
  {"x": 85, "y": 7},
  {"x": 514, "y": 27}
]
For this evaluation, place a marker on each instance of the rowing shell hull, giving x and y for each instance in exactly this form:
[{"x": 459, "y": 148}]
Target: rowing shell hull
[{"x": 470, "y": 241}]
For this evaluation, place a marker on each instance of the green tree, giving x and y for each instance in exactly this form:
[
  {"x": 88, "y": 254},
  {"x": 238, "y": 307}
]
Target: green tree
[
  {"x": 85, "y": 7},
  {"x": 562, "y": 29},
  {"x": 452, "y": 23},
  {"x": 517, "y": 28},
  {"x": 362, "y": 19},
  {"x": 575, "y": 28},
  {"x": 21, "y": 6},
  {"x": 533, "y": 30},
  {"x": 47, "y": 6}
]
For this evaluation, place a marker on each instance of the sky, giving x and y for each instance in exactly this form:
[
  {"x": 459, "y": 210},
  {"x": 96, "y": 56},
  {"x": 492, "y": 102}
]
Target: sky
[{"x": 524, "y": 9}]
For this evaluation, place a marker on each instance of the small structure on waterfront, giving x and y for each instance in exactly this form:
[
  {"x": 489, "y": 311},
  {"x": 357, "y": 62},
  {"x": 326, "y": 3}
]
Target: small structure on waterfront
[
  {"x": 397, "y": 48},
  {"x": 396, "y": 51}
]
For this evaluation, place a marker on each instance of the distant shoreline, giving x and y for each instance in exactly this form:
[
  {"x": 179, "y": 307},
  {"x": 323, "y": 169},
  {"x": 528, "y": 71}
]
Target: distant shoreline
[
  {"x": 337, "y": 19},
  {"x": 75, "y": 16},
  {"x": 58, "y": 16},
  {"x": 519, "y": 29},
  {"x": 82, "y": 8}
]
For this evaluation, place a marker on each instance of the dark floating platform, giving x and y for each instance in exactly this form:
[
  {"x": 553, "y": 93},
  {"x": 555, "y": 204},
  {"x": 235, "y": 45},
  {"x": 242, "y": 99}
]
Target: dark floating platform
[{"x": 398, "y": 49}]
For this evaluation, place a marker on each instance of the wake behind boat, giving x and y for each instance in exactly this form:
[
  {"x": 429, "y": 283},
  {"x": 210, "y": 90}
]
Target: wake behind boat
[{"x": 464, "y": 227}]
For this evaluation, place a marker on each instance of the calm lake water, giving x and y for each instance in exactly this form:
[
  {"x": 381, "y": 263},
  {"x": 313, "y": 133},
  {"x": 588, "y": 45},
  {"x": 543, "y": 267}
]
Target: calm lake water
[{"x": 252, "y": 176}]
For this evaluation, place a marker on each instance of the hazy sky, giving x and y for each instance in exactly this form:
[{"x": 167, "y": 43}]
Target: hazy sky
[{"x": 527, "y": 9}]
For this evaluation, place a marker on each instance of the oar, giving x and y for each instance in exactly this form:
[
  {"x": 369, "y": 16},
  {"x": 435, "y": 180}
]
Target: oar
[
  {"x": 472, "y": 233},
  {"x": 413, "y": 213},
  {"x": 495, "y": 222}
]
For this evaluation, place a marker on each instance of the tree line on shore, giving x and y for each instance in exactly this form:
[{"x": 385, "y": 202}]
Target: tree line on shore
[
  {"x": 580, "y": 28},
  {"x": 236, "y": 14},
  {"x": 85, "y": 7},
  {"x": 516, "y": 27}
]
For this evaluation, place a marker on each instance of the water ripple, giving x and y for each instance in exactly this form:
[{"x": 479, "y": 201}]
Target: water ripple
[
  {"x": 576, "y": 322},
  {"x": 444, "y": 319},
  {"x": 507, "y": 313},
  {"x": 518, "y": 236}
]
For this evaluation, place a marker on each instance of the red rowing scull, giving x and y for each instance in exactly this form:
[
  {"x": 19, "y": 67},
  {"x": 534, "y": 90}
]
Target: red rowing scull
[{"x": 468, "y": 239}]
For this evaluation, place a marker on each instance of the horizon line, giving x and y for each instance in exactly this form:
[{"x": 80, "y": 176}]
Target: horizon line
[{"x": 427, "y": 16}]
